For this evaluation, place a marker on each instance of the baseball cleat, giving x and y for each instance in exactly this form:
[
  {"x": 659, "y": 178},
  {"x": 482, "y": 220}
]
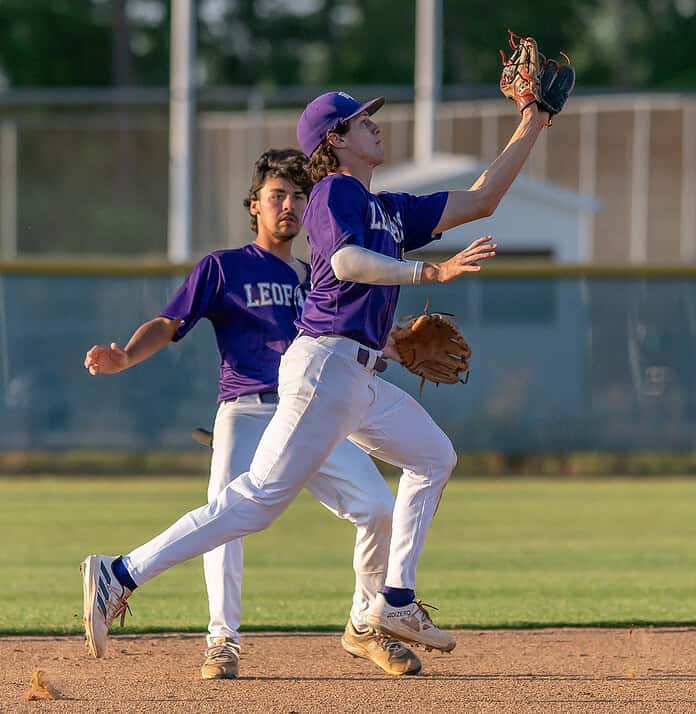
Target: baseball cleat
[
  {"x": 221, "y": 660},
  {"x": 387, "y": 653},
  {"x": 103, "y": 599},
  {"x": 410, "y": 623}
]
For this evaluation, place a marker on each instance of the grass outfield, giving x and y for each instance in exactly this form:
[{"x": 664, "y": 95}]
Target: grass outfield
[{"x": 504, "y": 553}]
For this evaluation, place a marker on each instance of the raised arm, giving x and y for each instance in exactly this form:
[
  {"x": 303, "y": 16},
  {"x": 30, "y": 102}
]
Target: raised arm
[
  {"x": 147, "y": 340},
  {"x": 485, "y": 194}
]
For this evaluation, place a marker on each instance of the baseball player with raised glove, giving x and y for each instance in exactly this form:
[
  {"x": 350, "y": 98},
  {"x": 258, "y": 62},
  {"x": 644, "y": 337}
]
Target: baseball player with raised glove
[{"x": 329, "y": 382}]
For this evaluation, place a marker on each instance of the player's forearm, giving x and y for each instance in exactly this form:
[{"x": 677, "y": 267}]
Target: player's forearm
[
  {"x": 498, "y": 177},
  {"x": 359, "y": 265},
  {"x": 149, "y": 339},
  {"x": 485, "y": 194}
]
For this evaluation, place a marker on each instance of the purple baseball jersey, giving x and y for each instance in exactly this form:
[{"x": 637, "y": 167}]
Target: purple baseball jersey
[
  {"x": 252, "y": 298},
  {"x": 341, "y": 211}
]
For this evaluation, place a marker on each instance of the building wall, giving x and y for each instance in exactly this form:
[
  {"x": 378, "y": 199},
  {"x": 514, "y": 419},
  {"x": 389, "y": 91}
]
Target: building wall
[
  {"x": 83, "y": 184},
  {"x": 632, "y": 152}
]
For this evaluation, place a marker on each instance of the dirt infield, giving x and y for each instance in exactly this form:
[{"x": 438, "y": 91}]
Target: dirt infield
[{"x": 567, "y": 670}]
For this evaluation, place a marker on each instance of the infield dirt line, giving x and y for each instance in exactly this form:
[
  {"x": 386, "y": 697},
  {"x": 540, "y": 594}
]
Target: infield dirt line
[{"x": 526, "y": 671}]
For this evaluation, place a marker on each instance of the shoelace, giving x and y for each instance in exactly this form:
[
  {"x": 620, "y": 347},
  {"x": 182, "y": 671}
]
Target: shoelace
[
  {"x": 221, "y": 653},
  {"x": 422, "y": 605},
  {"x": 119, "y": 608},
  {"x": 389, "y": 643}
]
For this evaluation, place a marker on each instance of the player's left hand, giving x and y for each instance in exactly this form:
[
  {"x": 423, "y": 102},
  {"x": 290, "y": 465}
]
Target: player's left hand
[
  {"x": 433, "y": 347},
  {"x": 390, "y": 351},
  {"x": 529, "y": 77}
]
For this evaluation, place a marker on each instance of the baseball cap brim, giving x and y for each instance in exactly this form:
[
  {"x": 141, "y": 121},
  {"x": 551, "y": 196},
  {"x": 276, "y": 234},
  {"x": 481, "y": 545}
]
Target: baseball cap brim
[{"x": 370, "y": 107}]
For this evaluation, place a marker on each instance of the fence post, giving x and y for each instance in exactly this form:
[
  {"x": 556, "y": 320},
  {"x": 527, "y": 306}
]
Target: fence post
[
  {"x": 8, "y": 190},
  {"x": 587, "y": 180},
  {"x": 688, "y": 194},
  {"x": 640, "y": 183},
  {"x": 181, "y": 118}
]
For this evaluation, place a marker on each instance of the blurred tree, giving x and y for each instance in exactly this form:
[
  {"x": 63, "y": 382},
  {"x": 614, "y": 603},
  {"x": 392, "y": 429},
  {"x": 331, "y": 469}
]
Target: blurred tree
[
  {"x": 121, "y": 45},
  {"x": 375, "y": 42},
  {"x": 475, "y": 30},
  {"x": 614, "y": 43},
  {"x": 55, "y": 43}
]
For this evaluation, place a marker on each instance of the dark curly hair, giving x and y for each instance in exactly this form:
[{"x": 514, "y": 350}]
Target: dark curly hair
[
  {"x": 288, "y": 164},
  {"x": 323, "y": 160}
]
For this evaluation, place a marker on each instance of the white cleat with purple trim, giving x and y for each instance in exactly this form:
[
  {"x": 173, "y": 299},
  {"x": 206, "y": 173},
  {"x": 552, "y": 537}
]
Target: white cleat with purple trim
[{"x": 410, "y": 623}]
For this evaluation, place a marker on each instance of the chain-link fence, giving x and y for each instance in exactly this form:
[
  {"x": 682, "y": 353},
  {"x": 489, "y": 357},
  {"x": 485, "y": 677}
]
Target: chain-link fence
[{"x": 560, "y": 362}]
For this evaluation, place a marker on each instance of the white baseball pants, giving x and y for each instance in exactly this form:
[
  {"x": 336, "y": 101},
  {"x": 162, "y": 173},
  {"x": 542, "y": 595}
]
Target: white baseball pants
[
  {"x": 348, "y": 484},
  {"x": 325, "y": 396}
]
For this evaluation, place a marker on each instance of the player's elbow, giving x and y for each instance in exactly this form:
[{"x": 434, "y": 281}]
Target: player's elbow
[
  {"x": 342, "y": 266},
  {"x": 486, "y": 202},
  {"x": 339, "y": 269},
  {"x": 168, "y": 326}
]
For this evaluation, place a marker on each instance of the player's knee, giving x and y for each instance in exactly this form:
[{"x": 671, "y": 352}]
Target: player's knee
[
  {"x": 380, "y": 515},
  {"x": 452, "y": 458},
  {"x": 376, "y": 514},
  {"x": 447, "y": 459}
]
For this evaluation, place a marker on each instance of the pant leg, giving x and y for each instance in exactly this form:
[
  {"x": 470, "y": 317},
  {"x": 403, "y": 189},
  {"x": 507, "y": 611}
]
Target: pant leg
[
  {"x": 238, "y": 430},
  {"x": 322, "y": 400},
  {"x": 350, "y": 486},
  {"x": 398, "y": 430}
]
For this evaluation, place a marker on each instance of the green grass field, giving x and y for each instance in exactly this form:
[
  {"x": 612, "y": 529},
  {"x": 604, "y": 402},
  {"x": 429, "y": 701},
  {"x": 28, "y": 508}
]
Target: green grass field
[{"x": 500, "y": 553}]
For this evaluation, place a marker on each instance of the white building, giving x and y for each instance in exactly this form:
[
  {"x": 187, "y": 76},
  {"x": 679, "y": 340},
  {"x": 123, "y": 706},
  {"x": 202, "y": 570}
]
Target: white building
[{"x": 535, "y": 217}]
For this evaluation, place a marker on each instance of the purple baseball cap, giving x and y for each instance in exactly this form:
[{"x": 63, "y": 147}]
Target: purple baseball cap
[{"x": 325, "y": 113}]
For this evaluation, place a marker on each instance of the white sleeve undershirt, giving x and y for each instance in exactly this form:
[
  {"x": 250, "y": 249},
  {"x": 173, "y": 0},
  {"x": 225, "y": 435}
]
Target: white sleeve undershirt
[{"x": 360, "y": 265}]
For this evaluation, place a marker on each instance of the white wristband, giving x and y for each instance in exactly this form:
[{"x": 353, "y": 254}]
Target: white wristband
[{"x": 417, "y": 270}]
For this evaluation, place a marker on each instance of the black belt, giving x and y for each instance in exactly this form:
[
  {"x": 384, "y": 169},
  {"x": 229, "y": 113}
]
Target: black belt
[
  {"x": 264, "y": 397},
  {"x": 364, "y": 357}
]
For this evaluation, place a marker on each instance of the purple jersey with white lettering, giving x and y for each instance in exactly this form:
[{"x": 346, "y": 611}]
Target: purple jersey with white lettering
[
  {"x": 252, "y": 298},
  {"x": 341, "y": 211}
]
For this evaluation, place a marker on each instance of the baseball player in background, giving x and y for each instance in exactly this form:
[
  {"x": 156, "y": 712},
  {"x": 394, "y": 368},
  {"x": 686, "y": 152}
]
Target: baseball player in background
[
  {"x": 252, "y": 297},
  {"x": 329, "y": 384}
]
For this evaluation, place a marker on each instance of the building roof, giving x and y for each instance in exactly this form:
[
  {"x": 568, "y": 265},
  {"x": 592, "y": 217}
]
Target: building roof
[{"x": 452, "y": 171}]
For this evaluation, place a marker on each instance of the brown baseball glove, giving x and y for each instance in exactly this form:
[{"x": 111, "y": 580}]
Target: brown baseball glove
[
  {"x": 528, "y": 76},
  {"x": 433, "y": 347}
]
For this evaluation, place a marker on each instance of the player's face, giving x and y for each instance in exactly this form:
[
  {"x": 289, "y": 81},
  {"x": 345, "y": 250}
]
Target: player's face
[
  {"x": 278, "y": 209},
  {"x": 364, "y": 140}
]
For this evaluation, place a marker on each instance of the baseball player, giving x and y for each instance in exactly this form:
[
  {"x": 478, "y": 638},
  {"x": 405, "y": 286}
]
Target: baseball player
[
  {"x": 252, "y": 296},
  {"x": 329, "y": 386}
]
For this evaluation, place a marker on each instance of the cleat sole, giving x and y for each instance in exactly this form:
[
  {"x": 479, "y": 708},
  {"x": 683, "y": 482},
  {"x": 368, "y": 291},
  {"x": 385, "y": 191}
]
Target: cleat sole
[{"x": 407, "y": 640}]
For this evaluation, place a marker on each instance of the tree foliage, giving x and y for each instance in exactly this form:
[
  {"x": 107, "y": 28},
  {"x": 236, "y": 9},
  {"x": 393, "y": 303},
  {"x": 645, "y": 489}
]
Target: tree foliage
[{"x": 614, "y": 43}]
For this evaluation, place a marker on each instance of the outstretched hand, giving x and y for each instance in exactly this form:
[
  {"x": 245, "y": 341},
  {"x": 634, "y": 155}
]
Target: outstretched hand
[
  {"x": 101, "y": 359},
  {"x": 466, "y": 261}
]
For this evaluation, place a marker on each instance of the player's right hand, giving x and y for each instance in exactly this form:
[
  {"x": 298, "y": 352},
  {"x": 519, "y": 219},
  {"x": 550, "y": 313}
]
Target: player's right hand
[{"x": 101, "y": 359}]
